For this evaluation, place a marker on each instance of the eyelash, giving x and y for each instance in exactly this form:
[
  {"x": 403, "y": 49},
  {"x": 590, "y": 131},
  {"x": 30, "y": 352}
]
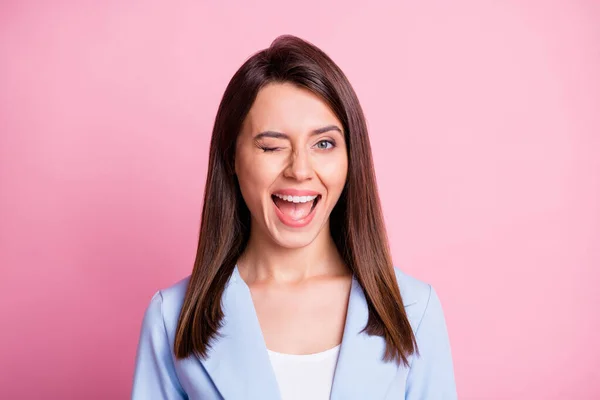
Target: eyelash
[{"x": 270, "y": 149}]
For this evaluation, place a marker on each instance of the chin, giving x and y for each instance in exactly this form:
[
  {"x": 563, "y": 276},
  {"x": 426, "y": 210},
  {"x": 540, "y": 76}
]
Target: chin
[
  {"x": 292, "y": 239},
  {"x": 295, "y": 240}
]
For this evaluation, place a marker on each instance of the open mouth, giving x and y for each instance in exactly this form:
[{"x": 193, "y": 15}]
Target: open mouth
[{"x": 295, "y": 208}]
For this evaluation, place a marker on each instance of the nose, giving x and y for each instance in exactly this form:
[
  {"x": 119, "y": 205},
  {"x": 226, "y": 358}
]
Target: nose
[{"x": 299, "y": 166}]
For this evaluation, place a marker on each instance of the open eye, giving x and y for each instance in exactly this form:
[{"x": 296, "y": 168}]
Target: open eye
[{"x": 325, "y": 144}]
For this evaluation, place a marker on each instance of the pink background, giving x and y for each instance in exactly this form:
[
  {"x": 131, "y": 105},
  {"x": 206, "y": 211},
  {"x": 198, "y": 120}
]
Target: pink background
[{"x": 485, "y": 124}]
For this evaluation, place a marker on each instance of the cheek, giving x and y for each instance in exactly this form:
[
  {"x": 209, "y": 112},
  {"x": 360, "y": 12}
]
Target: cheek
[
  {"x": 333, "y": 174},
  {"x": 255, "y": 179}
]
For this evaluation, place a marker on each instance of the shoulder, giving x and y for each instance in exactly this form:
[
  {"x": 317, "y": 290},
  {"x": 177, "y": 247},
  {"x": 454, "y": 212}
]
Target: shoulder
[
  {"x": 412, "y": 289},
  {"x": 431, "y": 373},
  {"x": 165, "y": 305},
  {"x": 419, "y": 298}
]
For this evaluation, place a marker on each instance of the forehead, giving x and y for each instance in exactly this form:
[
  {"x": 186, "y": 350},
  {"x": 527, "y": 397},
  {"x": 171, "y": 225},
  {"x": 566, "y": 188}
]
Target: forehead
[{"x": 289, "y": 108}]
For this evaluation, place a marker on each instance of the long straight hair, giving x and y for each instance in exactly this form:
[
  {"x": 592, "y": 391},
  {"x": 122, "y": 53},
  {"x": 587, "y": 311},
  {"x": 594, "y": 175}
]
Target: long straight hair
[{"x": 356, "y": 221}]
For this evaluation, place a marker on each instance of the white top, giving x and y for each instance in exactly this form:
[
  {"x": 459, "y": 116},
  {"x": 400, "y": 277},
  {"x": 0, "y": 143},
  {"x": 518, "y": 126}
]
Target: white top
[{"x": 305, "y": 376}]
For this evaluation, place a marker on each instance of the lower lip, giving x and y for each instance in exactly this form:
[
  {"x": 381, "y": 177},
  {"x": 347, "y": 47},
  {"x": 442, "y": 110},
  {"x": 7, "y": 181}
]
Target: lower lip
[{"x": 295, "y": 223}]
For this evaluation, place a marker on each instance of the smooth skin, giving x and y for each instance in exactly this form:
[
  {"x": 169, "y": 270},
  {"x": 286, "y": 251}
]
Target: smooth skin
[{"x": 298, "y": 281}]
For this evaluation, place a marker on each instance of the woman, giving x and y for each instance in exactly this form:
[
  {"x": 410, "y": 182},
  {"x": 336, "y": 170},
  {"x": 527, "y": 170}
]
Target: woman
[{"x": 293, "y": 294}]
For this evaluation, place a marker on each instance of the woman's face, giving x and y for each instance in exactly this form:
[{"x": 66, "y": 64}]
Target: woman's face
[{"x": 291, "y": 164}]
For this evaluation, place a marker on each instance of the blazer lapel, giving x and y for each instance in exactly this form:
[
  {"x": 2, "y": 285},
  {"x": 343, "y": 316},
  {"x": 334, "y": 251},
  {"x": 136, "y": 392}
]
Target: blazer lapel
[
  {"x": 238, "y": 362},
  {"x": 361, "y": 372},
  {"x": 239, "y": 365}
]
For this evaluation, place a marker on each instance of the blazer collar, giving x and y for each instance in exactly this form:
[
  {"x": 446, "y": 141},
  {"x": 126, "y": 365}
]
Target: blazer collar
[{"x": 239, "y": 365}]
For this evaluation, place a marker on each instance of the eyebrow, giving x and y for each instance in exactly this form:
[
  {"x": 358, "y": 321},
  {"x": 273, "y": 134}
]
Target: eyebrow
[{"x": 281, "y": 135}]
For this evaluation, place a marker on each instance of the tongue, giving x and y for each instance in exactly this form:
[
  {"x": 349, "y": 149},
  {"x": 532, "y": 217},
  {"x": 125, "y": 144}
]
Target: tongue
[{"x": 295, "y": 211}]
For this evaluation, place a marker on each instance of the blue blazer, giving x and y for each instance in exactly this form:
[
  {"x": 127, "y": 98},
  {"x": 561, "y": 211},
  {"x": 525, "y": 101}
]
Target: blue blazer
[{"x": 238, "y": 365}]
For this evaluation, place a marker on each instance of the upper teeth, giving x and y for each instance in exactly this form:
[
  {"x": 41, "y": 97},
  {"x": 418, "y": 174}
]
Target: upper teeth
[{"x": 296, "y": 199}]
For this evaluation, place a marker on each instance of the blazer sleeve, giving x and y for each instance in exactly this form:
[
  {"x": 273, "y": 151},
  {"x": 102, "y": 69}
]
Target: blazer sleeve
[
  {"x": 431, "y": 375},
  {"x": 155, "y": 376}
]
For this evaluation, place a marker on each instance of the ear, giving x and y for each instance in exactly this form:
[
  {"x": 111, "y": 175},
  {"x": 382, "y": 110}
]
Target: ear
[
  {"x": 235, "y": 165},
  {"x": 234, "y": 169},
  {"x": 233, "y": 157}
]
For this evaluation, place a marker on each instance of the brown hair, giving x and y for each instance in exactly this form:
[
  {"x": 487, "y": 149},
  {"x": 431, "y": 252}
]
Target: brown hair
[{"x": 356, "y": 222}]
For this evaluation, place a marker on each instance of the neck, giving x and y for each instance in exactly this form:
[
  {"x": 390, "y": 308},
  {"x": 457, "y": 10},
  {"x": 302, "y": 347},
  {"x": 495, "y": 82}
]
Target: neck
[{"x": 264, "y": 261}]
